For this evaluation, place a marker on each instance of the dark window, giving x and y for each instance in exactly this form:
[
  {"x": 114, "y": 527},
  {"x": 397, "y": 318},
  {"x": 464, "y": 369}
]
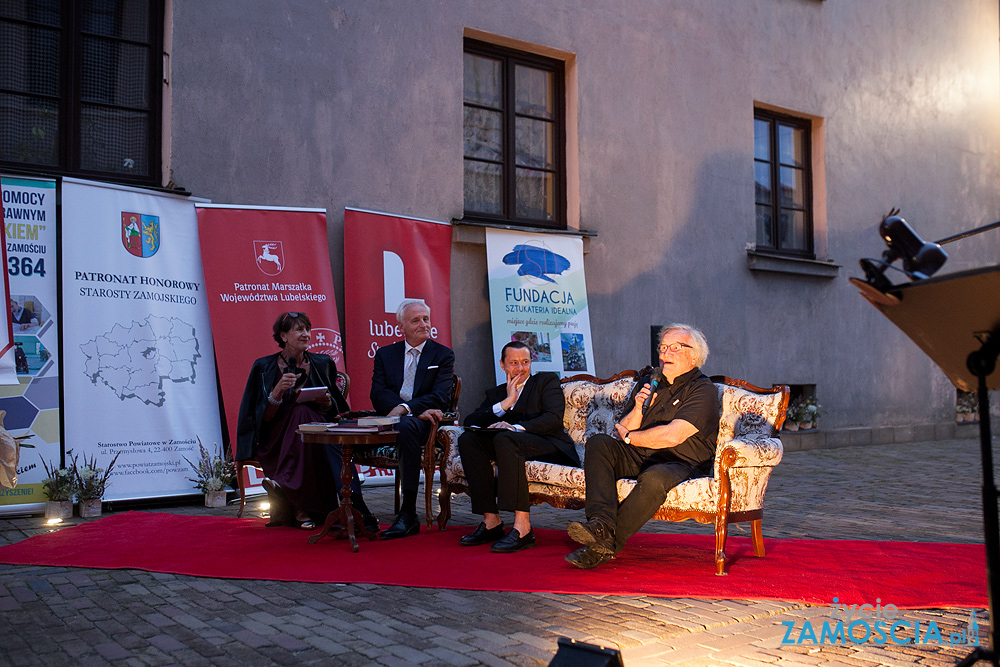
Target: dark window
[
  {"x": 514, "y": 137},
  {"x": 783, "y": 183},
  {"x": 80, "y": 87}
]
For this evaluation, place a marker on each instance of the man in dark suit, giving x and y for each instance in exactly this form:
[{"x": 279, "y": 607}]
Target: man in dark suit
[
  {"x": 525, "y": 418},
  {"x": 412, "y": 379}
]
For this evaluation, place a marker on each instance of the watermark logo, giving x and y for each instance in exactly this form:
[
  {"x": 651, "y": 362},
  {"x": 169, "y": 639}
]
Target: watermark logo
[{"x": 877, "y": 624}]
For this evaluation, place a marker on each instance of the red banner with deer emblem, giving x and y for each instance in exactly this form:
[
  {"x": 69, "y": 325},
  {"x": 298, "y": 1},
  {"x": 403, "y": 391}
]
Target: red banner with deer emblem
[{"x": 259, "y": 263}]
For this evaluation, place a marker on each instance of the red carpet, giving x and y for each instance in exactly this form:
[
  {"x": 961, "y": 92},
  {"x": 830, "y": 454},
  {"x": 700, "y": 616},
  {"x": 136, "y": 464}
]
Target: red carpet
[{"x": 908, "y": 574}]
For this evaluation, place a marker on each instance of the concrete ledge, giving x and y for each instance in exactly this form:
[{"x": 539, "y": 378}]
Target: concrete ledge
[
  {"x": 795, "y": 441},
  {"x": 762, "y": 261}
]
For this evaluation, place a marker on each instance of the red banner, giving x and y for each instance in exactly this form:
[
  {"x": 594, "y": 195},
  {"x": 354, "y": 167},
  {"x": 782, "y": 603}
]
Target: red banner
[
  {"x": 388, "y": 258},
  {"x": 259, "y": 263}
]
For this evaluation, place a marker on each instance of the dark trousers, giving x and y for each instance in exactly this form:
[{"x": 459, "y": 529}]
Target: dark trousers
[
  {"x": 507, "y": 491},
  {"x": 656, "y": 471},
  {"x": 413, "y": 433}
]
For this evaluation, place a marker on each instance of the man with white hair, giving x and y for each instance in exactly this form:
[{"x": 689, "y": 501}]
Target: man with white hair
[
  {"x": 661, "y": 442},
  {"x": 412, "y": 378}
]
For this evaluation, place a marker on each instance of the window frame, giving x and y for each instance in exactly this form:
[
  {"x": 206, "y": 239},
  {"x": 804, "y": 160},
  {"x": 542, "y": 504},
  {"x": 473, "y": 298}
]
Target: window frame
[
  {"x": 774, "y": 120},
  {"x": 69, "y": 156},
  {"x": 511, "y": 58}
]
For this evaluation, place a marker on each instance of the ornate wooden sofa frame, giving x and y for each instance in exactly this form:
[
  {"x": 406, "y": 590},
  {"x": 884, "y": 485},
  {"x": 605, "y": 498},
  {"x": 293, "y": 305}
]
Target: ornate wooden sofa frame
[{"x": 748, "y": 448}]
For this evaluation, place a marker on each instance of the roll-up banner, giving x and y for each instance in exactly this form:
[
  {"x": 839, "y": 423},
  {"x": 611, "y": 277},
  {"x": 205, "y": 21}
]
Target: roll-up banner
[
  {"x": 259, "y": 263},
  {"x": 32, "y": 401},
  {"x": 388, "y": 258},
  {"x": 138, "y": 366},
  {"x": 538, "y": 295}
]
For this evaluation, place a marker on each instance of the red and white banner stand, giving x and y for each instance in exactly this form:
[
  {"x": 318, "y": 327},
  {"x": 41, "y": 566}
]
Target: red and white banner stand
[
  {"x": 260, "y": 262},
  {"x": 388, "y": 258}
]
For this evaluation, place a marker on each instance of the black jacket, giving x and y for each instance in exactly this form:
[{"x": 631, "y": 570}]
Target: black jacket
[{"x": 263, "y": 376}]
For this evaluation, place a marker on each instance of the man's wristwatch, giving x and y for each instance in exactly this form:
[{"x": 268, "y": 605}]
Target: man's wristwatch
[{"x": 627, "y": 440}]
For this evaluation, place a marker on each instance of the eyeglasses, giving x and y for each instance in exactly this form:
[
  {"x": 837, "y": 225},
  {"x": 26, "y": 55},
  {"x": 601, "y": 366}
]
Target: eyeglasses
[{"x": 674, "y": 347}]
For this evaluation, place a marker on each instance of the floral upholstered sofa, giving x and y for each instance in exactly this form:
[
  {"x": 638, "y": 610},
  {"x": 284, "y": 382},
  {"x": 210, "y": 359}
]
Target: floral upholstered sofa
[{"x": 748, "y": 448}]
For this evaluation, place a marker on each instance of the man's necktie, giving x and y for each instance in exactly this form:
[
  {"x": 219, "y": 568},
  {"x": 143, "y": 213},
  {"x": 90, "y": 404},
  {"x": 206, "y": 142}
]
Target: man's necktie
[{"x": 409, "y": 372}]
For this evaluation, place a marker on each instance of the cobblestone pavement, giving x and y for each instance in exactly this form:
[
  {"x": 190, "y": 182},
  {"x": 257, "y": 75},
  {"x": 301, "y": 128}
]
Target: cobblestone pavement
[{"x": 919, "y": 492}]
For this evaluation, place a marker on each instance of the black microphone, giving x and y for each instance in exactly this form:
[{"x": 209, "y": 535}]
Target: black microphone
[
  {"x": 293, "y": 368},
  {"x": 654, "y": 381}
]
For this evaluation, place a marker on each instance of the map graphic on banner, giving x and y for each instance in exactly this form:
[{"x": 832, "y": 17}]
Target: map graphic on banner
[
  {"x": 139, "y": 367},
  {"x": 32, "y": 405},
  {"x": 538, "y": 295},
  {"x": 133, "y": 361}
]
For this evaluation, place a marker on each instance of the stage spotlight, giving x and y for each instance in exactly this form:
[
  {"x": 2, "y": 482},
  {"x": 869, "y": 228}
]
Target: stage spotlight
[
  {"x": 572, "y": 653},
  {"x": 920, "y": 259}
]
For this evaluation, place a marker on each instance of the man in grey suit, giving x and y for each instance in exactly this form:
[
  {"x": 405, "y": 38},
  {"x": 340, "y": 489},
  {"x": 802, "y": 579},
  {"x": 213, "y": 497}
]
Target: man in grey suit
[
  {"x": 412, "y": 378},
  {"x": 523, "y": 418}
]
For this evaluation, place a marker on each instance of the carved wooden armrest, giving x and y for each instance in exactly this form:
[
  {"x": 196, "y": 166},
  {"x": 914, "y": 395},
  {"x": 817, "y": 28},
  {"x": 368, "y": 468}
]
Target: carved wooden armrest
[{"x": 751, "y": 452}]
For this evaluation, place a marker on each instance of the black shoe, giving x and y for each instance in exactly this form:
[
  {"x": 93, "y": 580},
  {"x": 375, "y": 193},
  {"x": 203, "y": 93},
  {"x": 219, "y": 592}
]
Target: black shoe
[
  {"x": 587, "y": 558},
  {"x": 482, "y": 535},
  {"x": 405, "y": 525},
  {"x": 371, "y": 523},
  {"x": 593, "y": 534},
  {"x": 513, "y": 542},
  {"x": 280, "y": 511}
]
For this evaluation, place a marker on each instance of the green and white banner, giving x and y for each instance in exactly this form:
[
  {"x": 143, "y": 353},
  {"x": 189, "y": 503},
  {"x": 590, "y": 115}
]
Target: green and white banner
[
  {"x": 32, "y": 404},
  {"x": 538, "y": 295}
]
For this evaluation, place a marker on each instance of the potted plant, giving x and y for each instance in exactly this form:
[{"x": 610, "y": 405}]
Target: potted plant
[
  {"x": 967, "y": 407},
  {"x": 213, "y": 475},
  {"x": 808, "y": 414},
  {"x": 59, "y": 488},
  {"x": 91, "y": 482},
  {"x": 792, "y": 416}
]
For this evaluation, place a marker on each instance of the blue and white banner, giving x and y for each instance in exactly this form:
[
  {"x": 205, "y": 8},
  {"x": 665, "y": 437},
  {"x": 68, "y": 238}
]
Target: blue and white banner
[
  {"x": 538, "y": 295},
  {"x": 31, "y": 403},
  {"x": 138, "y": 358}
]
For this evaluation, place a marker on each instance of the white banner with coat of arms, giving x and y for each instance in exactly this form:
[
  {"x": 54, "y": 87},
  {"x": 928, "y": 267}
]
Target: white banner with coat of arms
[
  {"x": 538, "y": 295},
  {"x": 139, "y": 367}
]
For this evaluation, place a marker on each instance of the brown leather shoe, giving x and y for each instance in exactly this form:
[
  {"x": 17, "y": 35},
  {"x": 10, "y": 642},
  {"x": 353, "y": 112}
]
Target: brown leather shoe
[
  {"x": 587, "y": 558},
  {"x": 593, "y": 534}
]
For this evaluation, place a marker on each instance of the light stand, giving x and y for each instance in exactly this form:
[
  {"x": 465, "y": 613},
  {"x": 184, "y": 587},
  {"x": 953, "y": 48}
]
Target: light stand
[
  {"x": 955, "y": 320},
  {"x": 982, "y": 363}
]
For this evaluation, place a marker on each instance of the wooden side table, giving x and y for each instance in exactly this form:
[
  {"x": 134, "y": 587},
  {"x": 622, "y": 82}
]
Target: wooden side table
[{"x": 349, "y": 518}]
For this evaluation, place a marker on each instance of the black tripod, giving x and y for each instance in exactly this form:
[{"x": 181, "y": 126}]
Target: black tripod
[{"x": 981, "y": 363}]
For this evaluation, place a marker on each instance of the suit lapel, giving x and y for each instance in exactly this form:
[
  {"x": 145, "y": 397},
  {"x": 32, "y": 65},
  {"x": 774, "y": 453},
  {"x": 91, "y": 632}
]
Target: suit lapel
[{"x": 522, "y": 400}]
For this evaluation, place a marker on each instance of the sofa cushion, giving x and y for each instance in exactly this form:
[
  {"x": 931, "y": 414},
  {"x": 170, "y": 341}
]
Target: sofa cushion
[
  {"x": 594, "y": 408},
  {"x": 746, "y": 413}
]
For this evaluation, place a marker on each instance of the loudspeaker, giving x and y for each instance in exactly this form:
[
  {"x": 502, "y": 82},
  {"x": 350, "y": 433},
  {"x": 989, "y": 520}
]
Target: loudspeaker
[{"x": 579, "y": 654}]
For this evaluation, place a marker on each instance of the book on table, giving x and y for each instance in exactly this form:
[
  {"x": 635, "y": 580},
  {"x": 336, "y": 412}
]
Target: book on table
[
  {"x": 378, "y": 421},
  {"x": 345, "y": 426},
  {"x": 315, "y": 427}
]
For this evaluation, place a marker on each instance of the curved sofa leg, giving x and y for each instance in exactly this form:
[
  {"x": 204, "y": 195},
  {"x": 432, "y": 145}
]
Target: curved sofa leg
[
  {"x": 758, "y": 538},
  {"x": 721, "y": 533},
  {"x": 444, "y": 502}
]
